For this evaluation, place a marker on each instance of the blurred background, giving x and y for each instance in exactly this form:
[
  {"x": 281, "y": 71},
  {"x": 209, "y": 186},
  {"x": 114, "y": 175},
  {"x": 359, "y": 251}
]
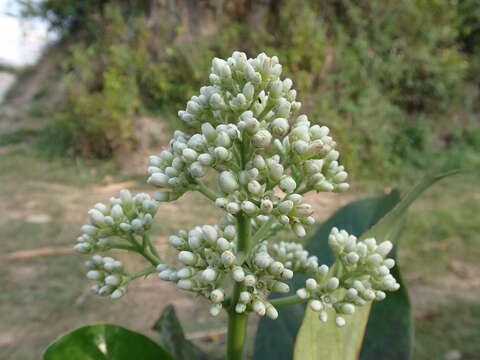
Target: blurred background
[{"x": 89, "y": 89}]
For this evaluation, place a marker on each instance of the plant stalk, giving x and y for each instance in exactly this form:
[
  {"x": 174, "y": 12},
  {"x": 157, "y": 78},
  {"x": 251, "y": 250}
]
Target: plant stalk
[{"x": 237, "y": 323}]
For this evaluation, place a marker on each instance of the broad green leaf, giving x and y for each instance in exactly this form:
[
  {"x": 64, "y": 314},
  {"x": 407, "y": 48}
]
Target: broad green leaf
[
  {"x": 328, "y": 341},
  {"x": 391, "y": 329},
  {"x": 172, "y": 337},
  {"x": 356, "y": 218},
  {"x": 104, "y": 342}
]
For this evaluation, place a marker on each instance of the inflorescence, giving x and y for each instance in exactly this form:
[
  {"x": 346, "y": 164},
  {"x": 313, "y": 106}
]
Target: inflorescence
[{"x": 265, "y": 156}]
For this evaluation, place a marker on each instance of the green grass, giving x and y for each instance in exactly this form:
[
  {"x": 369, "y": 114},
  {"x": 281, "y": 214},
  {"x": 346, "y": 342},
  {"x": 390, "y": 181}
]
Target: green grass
[{"x": 454, "y": 327}]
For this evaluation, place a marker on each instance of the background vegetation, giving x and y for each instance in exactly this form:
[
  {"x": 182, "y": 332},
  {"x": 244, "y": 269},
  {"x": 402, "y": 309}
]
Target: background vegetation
[{"x": 397, "y": 81}]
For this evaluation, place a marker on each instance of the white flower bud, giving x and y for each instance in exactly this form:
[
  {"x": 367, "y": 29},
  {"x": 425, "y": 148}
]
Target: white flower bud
[
  {"x": 316, "y": 305},
  {"x": 271, "y": 312},
  {"x": 375, "y": 259},
  {"x": 228, "y": 258},
  {"x": 94, "y": 275},
  {"x": 158, "y": 179},
  {"x": 238, "y": 274},
  {"x": 303, "y": 293},
  {"x": 249, "y": 208},
  {"x": 102, "y": 208},
  {"x": 217, "y": 102},
  {"x": 209, "y": 274},
  {"x": 228, "y": 182},
  {"x": 117, "y": 294},
  {"x": 280, "y": 287},
  {"x": 323, "y": 316},
  {"x": 255, "y": 188},
  {"x": 280, "y": 126},
  {"x": 299, "y": 230},
  {"x": 189, "y": 155},
  {"x": 113, "y": 280},
  {"x": 262, "y": 138},
  {"x": 217, "y": 296},
  {"x": 233, "y": 208},
  {"x": 136, "y": 225},
  {"x": 210, "y": 233},
  {"x": 248, "y": 91},
  {"x": 311, "y": 284},
  {"x": 161, "y": 267},
  {"x": 197, "y": 169},
  {"x": 259, "y": 307},
  {"x": 286, "y": 274},
  {"x": 245, "y": 297},
  {"x": 380, "y": 295},
  {"x": 384, "y": 248},
  {"x": 96, "y": 217},
  {"x": 185, "y": 284},
  {"x": 287, "y": 184},
  {"x": 117, "y": 213},
  {"x": 340, "y": 321},
  {"x": 215, "y": 309},
  {"x": 250, "y": 280},
  {"x": 240, "y": 308},
  {"x": 285, "y": 206},
  {"x": 340, "y": 177},
  {"x": 187, "y": 257},
  {"x": 259, "y": 162},
  {"x": 109, "y": 221},
  {"x": 185, "y": 273},
  {"x": 348, "y": 309},
  {"x": 389, "y": 263},
  {"x": 263, "y": 260},
  {"x": 276, "y": 268},
  {"x": 333, "y": 283},
  {"x": 221, "y": 153},
  {"x": 209, "y": 131},
  {"x": 223, "y": 140},
  {"x": 89, "y": 230}
]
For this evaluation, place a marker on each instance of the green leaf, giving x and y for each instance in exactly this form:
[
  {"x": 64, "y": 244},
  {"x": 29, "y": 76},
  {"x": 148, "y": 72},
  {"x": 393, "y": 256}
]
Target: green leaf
[
  {"x": 389, "y": 332},
  {"x": 104, "y": 342},
  {"x": 173, "y": 338},
  {"x": 356, "y": 218}
]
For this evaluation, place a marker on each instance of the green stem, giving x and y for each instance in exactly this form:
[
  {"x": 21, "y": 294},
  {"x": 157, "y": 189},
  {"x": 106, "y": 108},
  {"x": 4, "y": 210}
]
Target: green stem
[
  {"x": 205, "y": 191},
  {"x": 285, "y": 301},
  {"x": 144, "y": 272},
  {"x": 263, "y": 231},
  {"x": 237, "y": 323},
  {"x": 150, "y": 244}
]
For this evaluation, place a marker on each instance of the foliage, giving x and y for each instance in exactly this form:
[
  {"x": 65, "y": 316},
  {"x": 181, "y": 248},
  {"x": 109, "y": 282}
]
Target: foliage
[
  {"x": 389, "y": 332},
  {"x": 390, "y": 77},
  {"x": 104, "y": 342}
]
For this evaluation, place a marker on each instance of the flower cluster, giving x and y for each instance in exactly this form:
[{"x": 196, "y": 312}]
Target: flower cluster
[
  {"x": 245, "y": 131},
  {"x": 238, "y": 85},
  {"x": 123, "y": 216},
  {"x": 110, "y": 275},
  {"x": 360, "y": 274},
  {"x": 188, "y": 158},
  {"x": 209, "y": 259}
]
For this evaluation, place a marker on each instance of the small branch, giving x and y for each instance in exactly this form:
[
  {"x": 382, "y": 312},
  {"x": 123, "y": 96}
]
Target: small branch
[
  {"x": 304, "y": 190},
  {"x": 263, "y": 231},
  {"x": 286, "y": 301},
  {"x": 205, "y": 191},
  {"x": 150, "y": 244},
  {"x": 141, "y": 273}
]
